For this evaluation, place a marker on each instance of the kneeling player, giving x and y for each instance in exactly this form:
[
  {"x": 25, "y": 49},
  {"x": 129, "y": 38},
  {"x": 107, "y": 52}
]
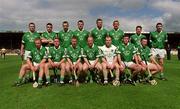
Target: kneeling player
[
  {"x": 74, "y": 59},
  {"x": 109, "y": 60},
  {"x": 91, "y": 58},
  {"x": 147, "y": 60},
  {"x": 55, "y": 61},
  {"x": 35, "y": 62}
]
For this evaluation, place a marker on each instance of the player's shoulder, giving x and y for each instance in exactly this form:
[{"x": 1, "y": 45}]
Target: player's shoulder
[{"x": 113, "y": 46}]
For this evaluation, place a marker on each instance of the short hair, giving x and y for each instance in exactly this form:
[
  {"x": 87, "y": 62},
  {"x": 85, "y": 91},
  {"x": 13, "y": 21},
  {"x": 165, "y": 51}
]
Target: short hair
[
  {"x": 115, "y": 21},
  {"x": 89, "y": 37},
  {"x": 65, "y": 22},
  {"x": 56, "y": 38},
  {"x": 80, "y": 21},
  {"x": 74, "y": 37},
  {"x": 31, "y": 23},
  {"x": 144, "y": 38},
  {"x": 108, "y": 37},
  {"x": 49, "y": 24},
  {"x": 98, "y": 20},
  {"x": 126, "y": 36},
  {"x": 36, "y": 39},
  {"x": 158, "y": 24},
  {"x": 138, "y": 27}
]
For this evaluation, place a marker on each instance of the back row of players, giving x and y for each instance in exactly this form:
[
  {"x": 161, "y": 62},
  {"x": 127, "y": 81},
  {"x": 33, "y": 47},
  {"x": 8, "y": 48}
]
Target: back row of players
[{"x": 80, "y": 52}]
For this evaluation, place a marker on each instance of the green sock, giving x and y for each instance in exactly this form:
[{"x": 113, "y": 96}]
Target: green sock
[
  {"x": 61, "y": 78},
  {"x": 19, "y": 79},
  {"x": 161, "y": 75},
  {"x": 40, "y": 80},
  {"x": 48, "y": 79}
]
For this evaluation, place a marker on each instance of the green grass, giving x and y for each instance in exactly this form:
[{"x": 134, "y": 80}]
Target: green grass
[{"x": 166, "y": 95}]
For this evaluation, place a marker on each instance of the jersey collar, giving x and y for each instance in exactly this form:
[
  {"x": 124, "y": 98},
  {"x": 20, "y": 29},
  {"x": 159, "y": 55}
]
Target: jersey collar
[
  {"x": 66, "y": 31},
  {"x": 116, "y": 30},
  {"x": 57, "y": 48},
  {"x": 80, "y": 30},
  {"x": 99, "y": 29}
]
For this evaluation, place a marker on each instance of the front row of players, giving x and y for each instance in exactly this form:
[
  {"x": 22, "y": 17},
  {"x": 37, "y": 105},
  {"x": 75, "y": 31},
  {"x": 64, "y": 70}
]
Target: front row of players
[{"x": 123, "y": 63}]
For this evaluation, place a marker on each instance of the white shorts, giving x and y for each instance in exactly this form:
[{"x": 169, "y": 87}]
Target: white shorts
[
  {"x": 35, "y": 64},
  {"x": 26, "y": 54},
  {"x": 91, "y": 62},
  {"x": 148, "y": 63},
  {"x": 128, "y": 64},
  {"x": 56, "y": 62},
  {"x": 159, "y": 53}
]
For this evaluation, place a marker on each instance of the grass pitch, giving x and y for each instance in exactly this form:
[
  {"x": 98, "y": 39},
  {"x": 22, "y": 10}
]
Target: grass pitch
[{"x": 166, "y": 95}]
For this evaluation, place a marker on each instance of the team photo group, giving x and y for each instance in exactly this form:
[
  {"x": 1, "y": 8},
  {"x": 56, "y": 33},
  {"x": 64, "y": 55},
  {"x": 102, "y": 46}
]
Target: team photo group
[{"x": 97, "y": 56}]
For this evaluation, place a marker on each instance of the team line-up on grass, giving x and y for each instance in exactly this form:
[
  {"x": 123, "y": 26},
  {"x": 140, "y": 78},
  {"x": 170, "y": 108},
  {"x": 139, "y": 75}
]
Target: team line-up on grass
[{"x": 98, "y": 56}]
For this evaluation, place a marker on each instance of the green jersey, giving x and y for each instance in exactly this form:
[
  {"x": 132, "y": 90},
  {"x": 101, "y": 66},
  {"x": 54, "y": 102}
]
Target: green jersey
[
  {"x": 48, "y": 36},
  {"x": 99, "y": 36},
  {"x": 74, "y": 53},
  {"x": 127, "y": 51},
  {"x": 91, "y": 53},
  {"x": 28, "y": 40},
  {"x": 37, "y": 55},
  {"x": 136, "y": 39},
  {"x": 158, "y": 39},
  {"x": 56, "y": 54},
  {"x": 81, "y": 36},
  {"x": 145, "y": 53},
  {"x": 117, "y": 36},
  {"x": 65, "y": 38}
]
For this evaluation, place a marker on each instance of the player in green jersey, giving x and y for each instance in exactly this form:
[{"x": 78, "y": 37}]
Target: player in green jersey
[
  {"x": 147, "y": 61},
  {"x": 136, "y": 38},
  {"x": 48, "y": 36},
  {"x": 99, "y": 33},
  {"x": 159, "y": 39},
  {"x": 81, "y": 34},
  {"x": 74, "y": 59},
  {"x": 128, "y": 56},
  {"x": 91, "y": 57},
  {"x": 65, "y": 35},
  {"x": 116, "y": 33},
  {"x": 35, "y": 62},
  {"x": 55, "y": 60},
  {"x": 28, "y": 41}
]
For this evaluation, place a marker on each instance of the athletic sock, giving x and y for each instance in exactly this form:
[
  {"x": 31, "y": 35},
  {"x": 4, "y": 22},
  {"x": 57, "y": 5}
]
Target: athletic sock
[
  {"x": 61, "y": 78},
  {"x": 48, "y": 79},
  {"x": 161, "y": 75},
  {"x": 39, "y": 80}
]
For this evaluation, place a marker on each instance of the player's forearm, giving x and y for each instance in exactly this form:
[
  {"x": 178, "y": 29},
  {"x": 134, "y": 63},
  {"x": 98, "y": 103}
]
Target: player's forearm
[
  {"x": 22, "y": 49},
  {"x": 43, "y": 61},
  {"x": 69, "y": 61},
  {"x": 86, "y": 61},
  {"x": 96, "y": 61},
  {"x": 136, "y": 59},
  {"x": 61, "y": 61}
]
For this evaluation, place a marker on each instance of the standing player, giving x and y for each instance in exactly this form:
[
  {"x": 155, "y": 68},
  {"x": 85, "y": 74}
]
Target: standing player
[
  {"x": 159, "y": 39},
  {"x": 81, "y": 34},
  {"x": 35, "y": 62},
  {"x": 147, "y": 60},
  {"x": 48, "y": 36},
  {"x": 128, "y": 55},
  {"x": 74, "y": 59},
  {"x": 99, "y": 33},
  {"x": 91, "y": 58},
  {"x": 136, "y": 38},
  {"x": 55, "y": 60},
  {"x": 109, "y": 61},
  {"x": 28, "y": 41},
  {"x": 65, "y": 35},
  {"x": 116, "y": 33}
]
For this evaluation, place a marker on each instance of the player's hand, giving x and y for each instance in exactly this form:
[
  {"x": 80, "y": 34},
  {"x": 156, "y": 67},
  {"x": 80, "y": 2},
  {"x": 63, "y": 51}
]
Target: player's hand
[
  {"x": 111, "y": 66},
  {"x": 91, "y": 66}
]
